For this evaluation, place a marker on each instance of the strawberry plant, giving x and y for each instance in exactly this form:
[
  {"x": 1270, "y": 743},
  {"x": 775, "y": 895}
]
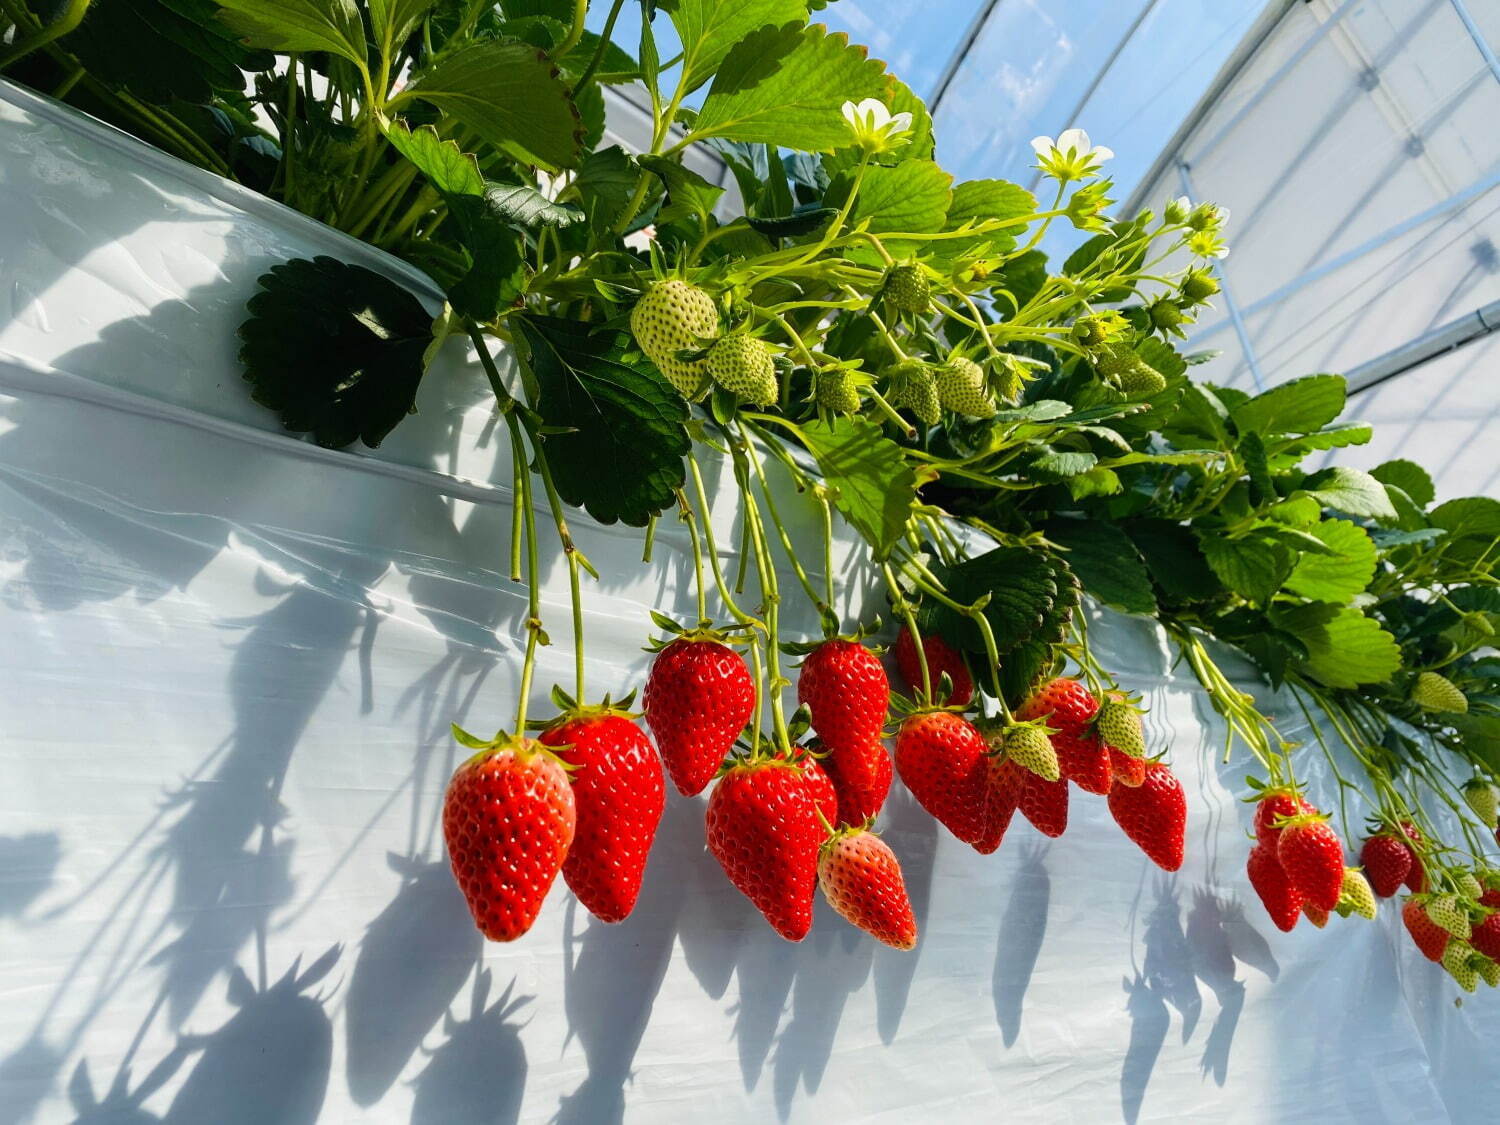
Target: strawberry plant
[{"x": 1007, "y": 435}]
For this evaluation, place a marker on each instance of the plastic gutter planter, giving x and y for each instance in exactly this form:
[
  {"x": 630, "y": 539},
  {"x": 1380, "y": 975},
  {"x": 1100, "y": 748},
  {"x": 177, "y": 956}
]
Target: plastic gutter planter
[{"x": 229, "y": 662}]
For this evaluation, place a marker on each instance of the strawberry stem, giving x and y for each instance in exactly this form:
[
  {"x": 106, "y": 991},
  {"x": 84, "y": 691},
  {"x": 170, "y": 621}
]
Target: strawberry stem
[
  {"x": 902, "y": 608},
  {"x": 770, "y": 592},
  {"x": 713, "y": 550},
  {"x": 786, "y": 540},
  {"x": 686, "y": 514}
]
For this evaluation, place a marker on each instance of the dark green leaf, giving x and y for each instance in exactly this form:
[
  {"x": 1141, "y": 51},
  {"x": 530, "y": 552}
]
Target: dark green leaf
[
  {"x": 1329, "y": 437},
  {"x": 1031, "y": 596},
  {"x": 615, "y": 68},
  {"x": 335, "y": 349},
  {"x": 164, "y": 49},
  {"x": 621, "y": 457},
  {"x": 1299, "y": 406},
  {"x": 497, "y": 271},
  {"x": 394, "y": 20},
  {"x": 1055, "y": 464},
  {"x": 873, "y": 486},
  {"x": 1252, "y": 452},
  {"x": 796, "y": 224},
  {"x": 687, "y": 192},
  {"x": 511, "y": 95},
  {"x": 1253, "y": 568},
  {"x": 605, "y": 183},
  {"x": 1106, "y": 562},
  {"x": 298, "y": 25},
  {"x": 522, "y": 205}
]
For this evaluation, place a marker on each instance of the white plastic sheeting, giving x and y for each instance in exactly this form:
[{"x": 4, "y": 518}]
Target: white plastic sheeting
[{"x": 229, "y": 663}]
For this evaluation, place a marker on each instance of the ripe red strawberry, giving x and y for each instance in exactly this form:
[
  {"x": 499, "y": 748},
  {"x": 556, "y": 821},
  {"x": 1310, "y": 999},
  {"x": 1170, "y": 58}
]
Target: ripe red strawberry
[
  {"x": 941, "y": 657},
  {"x": 619, "y": 794},
  {"x": 1280, "y": 802},
  {"x": 821, "y": 786},
  {"x": 1485, "y": 937},
  {"x": 1387, "y": 862},
  {"x": 698, "y": 698},
  {"x": 862, "y": 778},
  {"x": 861, "y": 878},
  {"x": 1069, "y": 709},
  {"x": 1127, "y": 771},
  {"x": 1045, "y": 803},
  {"x": 1416, "y": 878},
  {"x": 1154, "y": 815},
  {"x": 941, "y": 759},
  {"x": 1431, "y": 939},
  {"x": 1312, "y": 856},
  {"x": 764, "y": 831},
  {"x": 1490, "y": 898},
  {"x": 508, "y": 819},
  {"x": 1005, "y": 779},
  {"x": 843, "y": 684},
  {"x": 1283, "y": 902}
]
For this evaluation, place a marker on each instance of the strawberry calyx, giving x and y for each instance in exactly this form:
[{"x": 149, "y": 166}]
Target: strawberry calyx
[
  {"x": 736, "y": 633},
  {"x": 1260, "y": 791},
  {"x": 523, "y": 747},
  {"x": 1301, "y": 820},
  {"x": 996, "y": 731},
  {"x": 906, "y": 707},
  {"x": 831, "y": 633},
  {"x": 837, "y": 834},
  {"x": 569, "y": 709}
]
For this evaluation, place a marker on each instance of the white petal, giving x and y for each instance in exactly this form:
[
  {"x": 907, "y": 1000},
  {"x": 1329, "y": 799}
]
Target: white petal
[
  {"x": 899, "y": 123},
  {"x": 849, "y": 110},
  {"x": 1042, "y": 145},
  {"x": 1075, "y": 139},
  {"x": 1223, "y": 214},
  {"x": 875, "y": 109},
  {"x": 1181, "y": 201},
  {"x": 1101, "y": 154}
]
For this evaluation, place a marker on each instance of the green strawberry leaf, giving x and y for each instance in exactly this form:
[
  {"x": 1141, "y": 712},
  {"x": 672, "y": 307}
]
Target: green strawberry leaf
[
  {"x": 1339, "y": 577},
  {"x": 605, "y": 182},
  {"x": 910, "y": 196},
  {"x": 616, "y": 433},
  {"x": 335, "y": 349},
  {"x": 796, "y": 224},
  {"x": 1298, "y": 406},
  {"x": 161, "y": 50},
  {"x": 1335, "y": 436},
  {"x": 873, "y": 486},
  {"x": 1351, "y": 491},
  {"x": 709, "y": 29},
  {"x": 497, "y": 272},
  {"x": 1032, "y": 595},
  {"x": 1345, "y": 648},
  {"x": 687, "y": 192},
  {"x": 1252, "y": 567},
  {"x": 1106, "y": 562},
  {"x": 1408, "y": 476},
  {"x": 447, "y": 167},
  {"x": 786, "y": 86},
  {"x": 509, "y": 93},
  {"x": 298, "y": 25},
  {"x": 394, "y": 20}
]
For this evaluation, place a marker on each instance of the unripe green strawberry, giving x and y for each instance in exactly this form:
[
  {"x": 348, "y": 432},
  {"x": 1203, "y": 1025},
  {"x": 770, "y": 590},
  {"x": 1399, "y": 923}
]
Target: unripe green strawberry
[
  {"x": 1111, "y": 362},
  {"x": 1140, "y": 379},
  {"x": 906, "y": 288},
  {"x": 1470, "y": 886},
  {"x": 834, "y": 390},
  {"x": 1165, "y": 314},
  {"x": 1356, "y": 896},
  {"x": 1482, "y": 798},
  {"x": 960, "y": 387},
  {"x": 1449, "y": 916},
  {"x": 1457, "y": 961},
  {"x": 674, "y": 316},
  {"x": 1433, "y": 692},
  {"x": 1488, "y": 969},
  {"x": 1008, "y": 378},
  {"x": 1092, "y": 331},
  {"x": 1028, "y": 746},
  {"x": 1198, "y": 286},
  {"x": 743, "y": 366},
  {"x": 1119, "y": 725},
  {"x": 912, "y": 386}
]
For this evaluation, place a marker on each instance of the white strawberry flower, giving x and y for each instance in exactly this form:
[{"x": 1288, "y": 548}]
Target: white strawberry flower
[
  {"x": 1070, "y": 157},
  {"x": 874, "y": 127}
]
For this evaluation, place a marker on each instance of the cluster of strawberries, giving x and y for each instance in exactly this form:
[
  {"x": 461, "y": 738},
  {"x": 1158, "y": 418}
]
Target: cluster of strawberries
[
  {"x": 1297, "y": 868},
  {"x": 585, "y": 797}
]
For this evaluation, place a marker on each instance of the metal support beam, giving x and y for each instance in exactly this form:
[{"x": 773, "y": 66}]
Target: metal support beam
[
  {"x": 1411, "y": 355},
  {"x": 1478, "y": 36}
]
